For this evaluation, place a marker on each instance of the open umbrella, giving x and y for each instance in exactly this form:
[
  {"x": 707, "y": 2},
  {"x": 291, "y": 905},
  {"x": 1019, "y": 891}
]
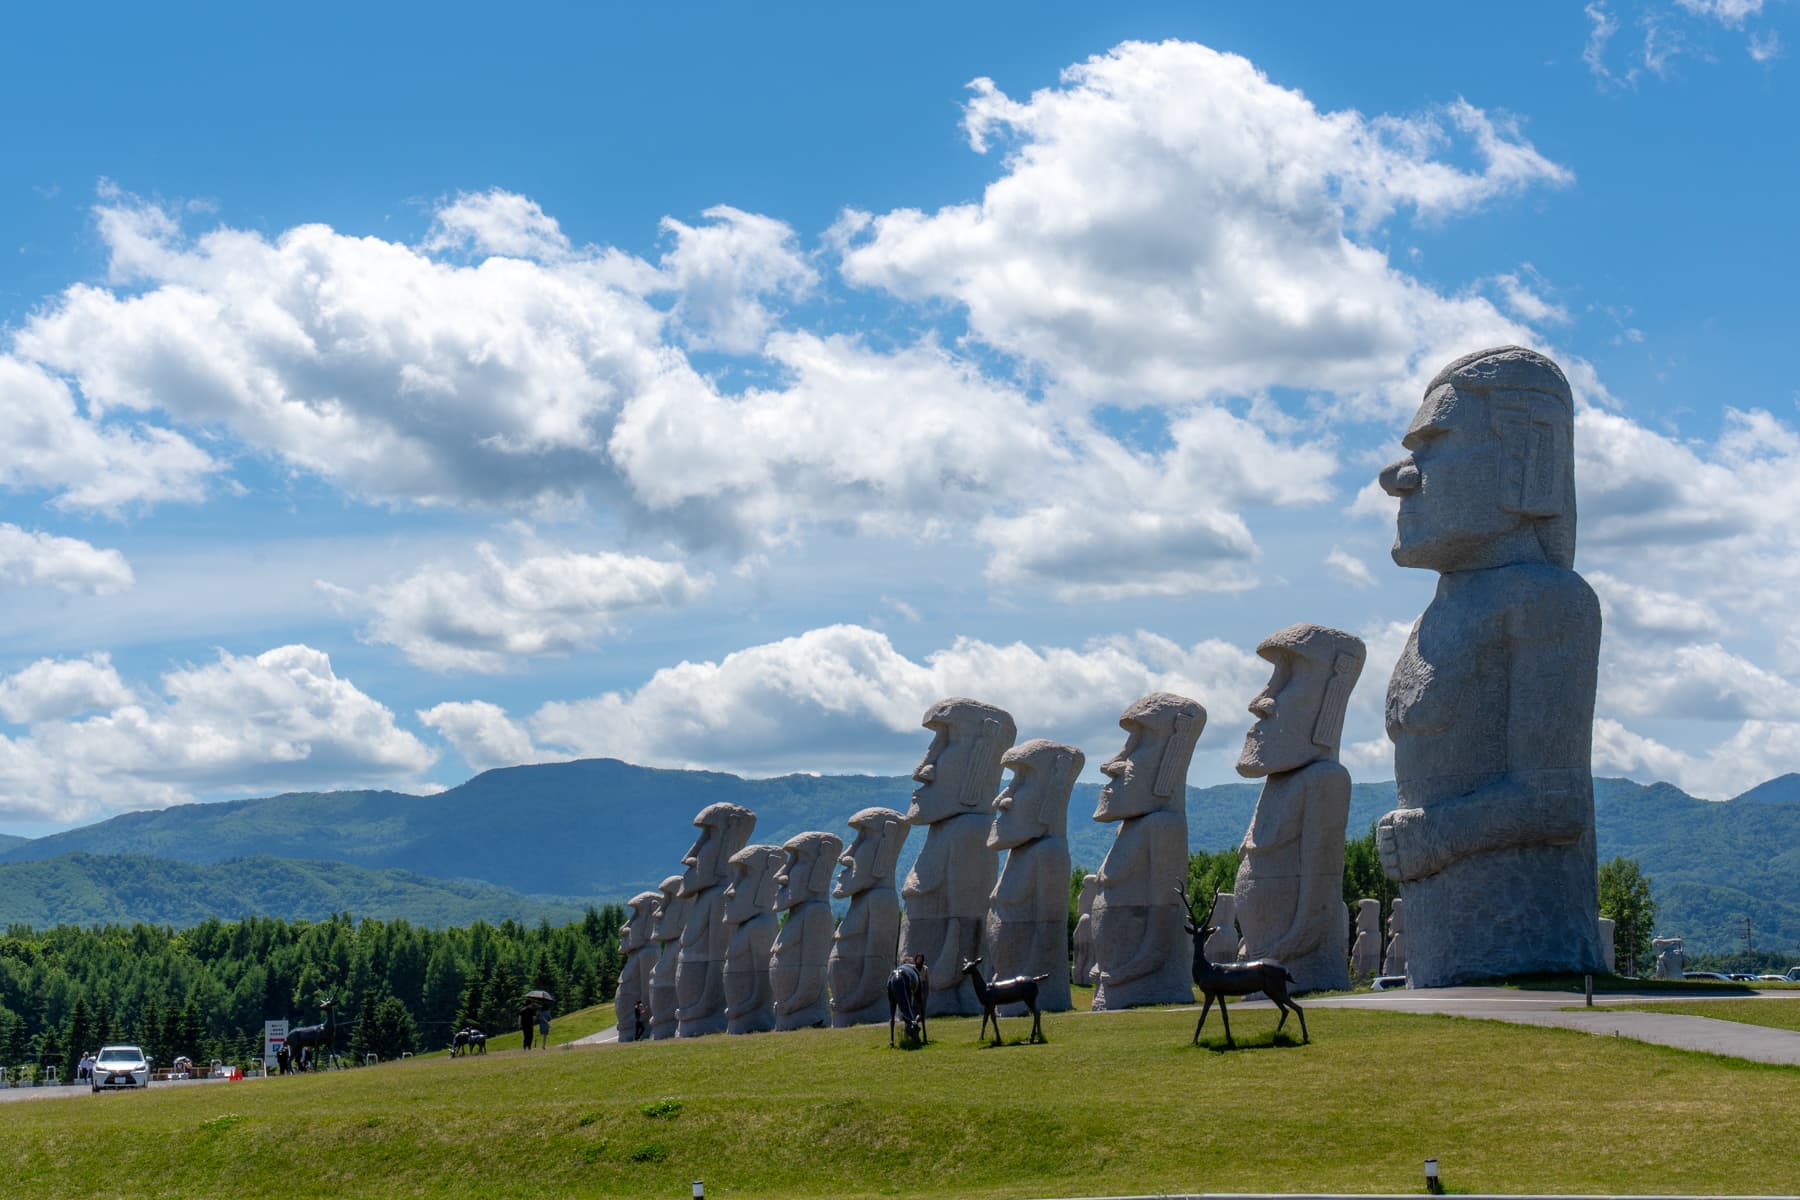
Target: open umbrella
[{"x": 541, "y": 995}]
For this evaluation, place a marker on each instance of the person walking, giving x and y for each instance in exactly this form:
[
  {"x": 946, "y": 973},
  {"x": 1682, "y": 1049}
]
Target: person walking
[
  {"x": 527, "y": 1023},
  {"x": 543, "y": 1023}
]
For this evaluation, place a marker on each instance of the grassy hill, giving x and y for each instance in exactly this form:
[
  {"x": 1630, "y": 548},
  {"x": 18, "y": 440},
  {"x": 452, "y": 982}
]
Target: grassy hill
[
  {"x": 1113, "y": 1104},
  {"x": 89, "y": 889},
  {"x": 604, "y": 829}
]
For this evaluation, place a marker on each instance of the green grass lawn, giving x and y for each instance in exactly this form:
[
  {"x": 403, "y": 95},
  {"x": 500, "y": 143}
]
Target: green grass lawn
[
  {"x": 1113, "y": 1103},
  {"x": 1776, "y": 1014}
]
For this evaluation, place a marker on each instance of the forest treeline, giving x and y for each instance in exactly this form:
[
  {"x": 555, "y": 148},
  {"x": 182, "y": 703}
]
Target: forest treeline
[{"x": 206, "y": 991}]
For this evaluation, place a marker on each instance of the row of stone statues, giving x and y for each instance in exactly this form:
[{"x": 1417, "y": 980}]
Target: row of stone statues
[{"x": 1490, "y": 710}]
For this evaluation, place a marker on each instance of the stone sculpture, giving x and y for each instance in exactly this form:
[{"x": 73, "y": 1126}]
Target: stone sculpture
[
  {"x": 948, "y": 888},
  {"x": 1393, "y": 961},
  {"x": 1290, "y": 881},
  {"x": 699, "y": 982},
  {"x": 1671, "y": 963},
  {"x": 640, "y": 958},
  {"x": 1028, "y": 915},
  {"x": 671, "y": 919},
  {"x": 864, "y": 946},
  {"x": 1491, "y": 704},
  {"x": 749, "y": 914},
  {"x": 802, "y": 951},
  {"x": 1082, "y": 972},
  {"x": 1608, "y": 944},
  {"x": 1365, "y": 951},
  {"x": 1223, "y": 945},
  {"x": 1140, "y": 944}
]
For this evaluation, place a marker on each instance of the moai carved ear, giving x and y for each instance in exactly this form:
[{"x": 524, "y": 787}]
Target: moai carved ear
[
  {"x": 976, "y": 790},
  {"x": 824, "y": 862},
  {"x": 1173, "y": 768},
  {"x": 1531, "y": 429},
  {"x": 1345, "y": 668}
]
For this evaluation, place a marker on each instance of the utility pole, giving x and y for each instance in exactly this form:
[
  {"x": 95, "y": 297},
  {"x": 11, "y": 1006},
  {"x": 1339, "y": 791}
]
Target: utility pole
[{"x": 1749, "y": 945}]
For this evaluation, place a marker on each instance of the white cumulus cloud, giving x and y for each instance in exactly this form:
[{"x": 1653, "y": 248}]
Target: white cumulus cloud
[
  {"x": 30, "y": 558},
  {"x": 53, "y": 689}
]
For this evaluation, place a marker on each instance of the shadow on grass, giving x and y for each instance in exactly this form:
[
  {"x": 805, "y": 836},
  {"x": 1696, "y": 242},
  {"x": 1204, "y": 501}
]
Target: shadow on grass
[
  {"x": 1004, "y": 1043},
  {"x": 1218, "y": 1045}
]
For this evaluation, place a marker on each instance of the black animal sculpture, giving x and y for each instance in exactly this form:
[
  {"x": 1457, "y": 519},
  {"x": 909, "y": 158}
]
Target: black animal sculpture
[
  {"x": 1219, "y": 980},
  {"x": 1023, "y": 990},
  {"x": 468, "y": 1041},
  {"x": 312, "y": 1037},
  {"x": 907, "y": 987}
]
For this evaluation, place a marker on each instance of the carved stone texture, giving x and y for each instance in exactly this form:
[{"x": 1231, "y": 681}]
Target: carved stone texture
[
  {"x": 1140, "y": 944},
  {"x": 1028, "y": 916},
  {"x": 640, "y": 958},
  {"x": 1222, "y": 947},
  {"x": 947, "y": 890},
  {"x": 1491, "y": 704},
  {"x": 864, "y": 948},
  {"x": 1608, "y": 944},
  {"x": 1393, "y": 962},
  {"x": 749, "y": 910},
  {"x": 665, "y": 935},
  {"x": 1670, "y": 961},
  {"x": 1082, "y": 973},
  {"x": 699, "y": 972},
  {"x": 1290, "y": 881},
  {"x": 802, "y": 952},
  {"x": 1365, "y": 951}
]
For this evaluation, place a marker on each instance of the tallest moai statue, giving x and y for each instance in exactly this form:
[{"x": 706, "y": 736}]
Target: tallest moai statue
[{"x": 1491, "y": 706}]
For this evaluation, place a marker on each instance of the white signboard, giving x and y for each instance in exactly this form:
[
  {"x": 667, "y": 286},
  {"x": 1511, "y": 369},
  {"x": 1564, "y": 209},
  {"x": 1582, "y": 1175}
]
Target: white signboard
[{"x": 274, "y": 1038}]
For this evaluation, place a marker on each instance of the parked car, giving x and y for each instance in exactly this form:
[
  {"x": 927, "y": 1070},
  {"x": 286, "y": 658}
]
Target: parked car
[
  {"x": 1741, "y": 977},
  {"x": 121, "y": 1067},
  {"x": 1707, "y": 976},
  {"x": 1772, "y": 978},
  {"x": 1793, "y": 975}
]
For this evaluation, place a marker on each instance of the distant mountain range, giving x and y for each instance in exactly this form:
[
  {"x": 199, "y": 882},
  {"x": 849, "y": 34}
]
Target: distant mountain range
[{"x": 599, "y": 830}]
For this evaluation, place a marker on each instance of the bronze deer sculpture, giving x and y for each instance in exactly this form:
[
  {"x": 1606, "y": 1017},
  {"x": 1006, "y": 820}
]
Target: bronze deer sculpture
[
  {"x": 1022, "y": 990},
  {"x": 1219, "y": 980}
]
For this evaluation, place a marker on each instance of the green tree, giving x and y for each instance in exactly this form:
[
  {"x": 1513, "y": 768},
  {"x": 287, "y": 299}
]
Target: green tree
[
  {"x": 1364, "y": 878},
  {"x": 79, "y": 1034},
  {"x": 1625, "y": 899}
]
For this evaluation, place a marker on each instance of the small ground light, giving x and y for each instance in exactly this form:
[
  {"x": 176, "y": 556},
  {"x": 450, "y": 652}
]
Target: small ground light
[
  {"x": 1431, "y": 1178},
  {"x": 699, "y": 1190}
]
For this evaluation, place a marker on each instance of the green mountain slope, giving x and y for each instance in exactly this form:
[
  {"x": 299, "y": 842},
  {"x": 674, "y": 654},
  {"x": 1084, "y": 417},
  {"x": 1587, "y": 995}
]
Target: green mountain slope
[
  {"x": 9, "y": 840},
  {"x": 602, "y": 829},
  {"x": 89, "y": 889}
]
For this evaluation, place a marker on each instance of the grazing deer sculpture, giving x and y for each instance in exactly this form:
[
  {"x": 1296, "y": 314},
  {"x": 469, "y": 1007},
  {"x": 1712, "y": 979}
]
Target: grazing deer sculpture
[
  {"x": 1023, "y": 990},
  {"x": 313, "y": 1037},
  {"x": 907, "y": 986},
  {"x": 1219, "y": 980}
]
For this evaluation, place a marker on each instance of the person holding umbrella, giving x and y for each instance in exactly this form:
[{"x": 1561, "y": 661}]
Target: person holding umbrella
[{"x": 536, "y": 1013}]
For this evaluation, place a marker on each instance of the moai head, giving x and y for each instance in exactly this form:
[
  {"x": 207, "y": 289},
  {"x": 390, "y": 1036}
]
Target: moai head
[
  {"x": 1300, "y": 714},
  {"x": 751, "y": 891},
  {"x": 806, "y": 872},
  {"x": 1036, "y": 803},
  {"x": 1084, "y": 904},
  {"x": 1368, "y": 918},
  {"x": 1490, "y": 477},
  {"x": 874, "y": 854},
  {"x": 960, "y": 773},
  {"x": 724, "y": 829},
  {"x": 645, "y": 908},
  {"x": 1396, "y": 917},
  {"x": 1150, "y": 773},
  {"x": 672, "y": 914}
]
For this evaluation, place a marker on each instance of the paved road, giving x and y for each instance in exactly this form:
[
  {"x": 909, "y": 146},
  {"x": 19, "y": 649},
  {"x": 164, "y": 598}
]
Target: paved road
[{"x": 13, "y": 1095}]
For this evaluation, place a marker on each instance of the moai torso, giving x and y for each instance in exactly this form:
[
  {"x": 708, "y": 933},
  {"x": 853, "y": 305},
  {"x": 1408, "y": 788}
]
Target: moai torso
[
  {"x": 1608, "y": 944},
  {"x": 1393, "y": 961},
  {"x": 1365, "y": 952},
  {"x": 640, "y": 959},
  {"x": 750, "y": 918},
  {"x": 1082, "y": 971},
  {"x": 1028, "y": 913},
  {"x": 666, "y": 942},
  {"x": 699, "y": 972},
  {"x": 1290, "y": 881},
  {"x": 1222, "y": 947}
]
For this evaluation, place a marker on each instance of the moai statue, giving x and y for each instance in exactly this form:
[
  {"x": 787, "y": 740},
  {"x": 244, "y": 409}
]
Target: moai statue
[
  {"x": 1491, "y": 706},
  {"x": 1670, "y": 961},
  {"x": 749, "y": 912},
  {"x": 1290, "y": 881},
  {"x": 1144, "y": 953},
  {"x": 1222, "y": 947},
  {"x": 802, "y": 951},
  {"x": 699, "y": 983},
  {"x": 1365, "y": 951},
  {"x": 1393, "y": 962},
  {"x": 640, "y": 959},
  {"x": 863, "y": 949},
  {"x": 947, "y": 890},
  {"x": 1608, "y": 946},
  {"x": 1028, "y": 916},
  {"x": 665, "y": 934},
  {"x": 1082, "y": 973}
]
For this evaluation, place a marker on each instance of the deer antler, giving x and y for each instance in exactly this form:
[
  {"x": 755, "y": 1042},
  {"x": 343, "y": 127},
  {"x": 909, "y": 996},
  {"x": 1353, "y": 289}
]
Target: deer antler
[
  {"x": 1207, "y": 924},
  {"x": 1189, "y": 905}
]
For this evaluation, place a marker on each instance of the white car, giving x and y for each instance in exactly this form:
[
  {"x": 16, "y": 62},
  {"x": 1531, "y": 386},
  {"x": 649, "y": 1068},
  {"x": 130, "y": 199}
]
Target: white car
[{"x": 121, "y": 1067}]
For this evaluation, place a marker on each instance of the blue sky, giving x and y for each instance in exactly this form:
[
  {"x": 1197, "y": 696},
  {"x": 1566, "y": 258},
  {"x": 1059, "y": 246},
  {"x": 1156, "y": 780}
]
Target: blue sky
[{"x": 401, "y": 394}]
